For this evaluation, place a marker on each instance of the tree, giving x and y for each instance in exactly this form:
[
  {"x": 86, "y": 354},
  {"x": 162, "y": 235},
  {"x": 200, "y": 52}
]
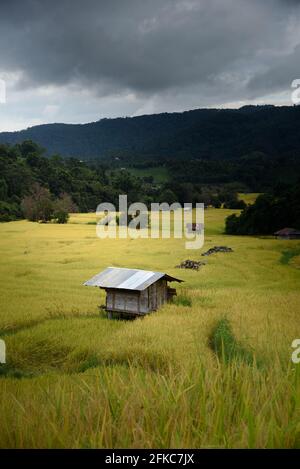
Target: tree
[
  {"x": 60, "y": 215},
  {"x": 3, "y": 189},
  {"x": 9, "y": 211},
  {"x": 168, "y": 196},
  {"x": 38, "y": 206},
  {"x": 269, "y": 213},
  {"x": 62, "y": 207}
]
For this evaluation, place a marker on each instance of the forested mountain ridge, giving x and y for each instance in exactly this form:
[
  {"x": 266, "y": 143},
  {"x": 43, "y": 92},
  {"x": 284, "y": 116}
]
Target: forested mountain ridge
[{"x": 220, "y": 134}]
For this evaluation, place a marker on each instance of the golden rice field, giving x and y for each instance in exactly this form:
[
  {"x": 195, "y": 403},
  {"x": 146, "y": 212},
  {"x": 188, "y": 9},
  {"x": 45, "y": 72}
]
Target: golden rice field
[
  {"x": 76, "y": 379},
  {"x": 249, "y": 198}
]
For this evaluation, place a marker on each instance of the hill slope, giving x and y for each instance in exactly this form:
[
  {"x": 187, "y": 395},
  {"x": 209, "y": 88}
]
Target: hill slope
[{"x": 202, "y": 133}]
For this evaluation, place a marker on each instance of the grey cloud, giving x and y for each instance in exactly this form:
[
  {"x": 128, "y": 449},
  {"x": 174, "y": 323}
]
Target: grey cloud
[
  {"x": 151, "y": 47},
  {"x": 278, "y": 76}
]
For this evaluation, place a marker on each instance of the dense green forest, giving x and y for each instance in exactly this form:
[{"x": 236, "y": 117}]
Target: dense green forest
[
  {"x": 270, "y": 212},
  {"x": 24, "y": 165},
  {"x": 25, "y": 169},
  {"x": 255, "y": 172},
  {"x": 206, "y": 134},
  {"x": 71, "y": 184}
]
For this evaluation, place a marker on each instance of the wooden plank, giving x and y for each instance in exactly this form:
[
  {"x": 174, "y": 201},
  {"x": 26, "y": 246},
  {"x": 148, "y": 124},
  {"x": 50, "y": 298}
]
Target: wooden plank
[
  {"x": 144, "y": 301},
  {"x": 131, "y": 303},
  {"x": 109, "y": 300},
  {"x": 120, "y": 301}
]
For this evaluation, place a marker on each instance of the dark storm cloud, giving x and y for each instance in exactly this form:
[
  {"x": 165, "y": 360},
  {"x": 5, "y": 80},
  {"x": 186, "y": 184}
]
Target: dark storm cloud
[
  {"x": 279, "y": 75},
  {"x": 152, "y": 46}
]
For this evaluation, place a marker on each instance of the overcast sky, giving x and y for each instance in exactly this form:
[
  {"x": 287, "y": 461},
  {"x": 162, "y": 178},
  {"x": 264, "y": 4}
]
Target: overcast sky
[{"x": 81, "y": 60}]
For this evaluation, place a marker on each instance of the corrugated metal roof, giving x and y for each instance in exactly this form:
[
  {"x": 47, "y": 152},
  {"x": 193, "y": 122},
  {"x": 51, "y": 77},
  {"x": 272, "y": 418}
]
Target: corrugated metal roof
[
  {"x": 127, "y": 279},
  {"x": 287, "y": 231}
]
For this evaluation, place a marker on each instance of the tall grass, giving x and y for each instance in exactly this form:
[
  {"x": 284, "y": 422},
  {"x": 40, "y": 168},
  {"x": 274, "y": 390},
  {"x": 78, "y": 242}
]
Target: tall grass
[
  {"x": 181, "y": 377},
  {"x": 119, "y": 406},
  {"x": 289, "y": 254},
  {"x": 226, "y": 346},
  {"x": 183, "y": 298}
]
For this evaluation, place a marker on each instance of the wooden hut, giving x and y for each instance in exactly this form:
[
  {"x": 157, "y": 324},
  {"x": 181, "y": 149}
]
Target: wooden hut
[
  {"x": 194, "y": 227},
  {"x": 133, "y": 292},
  {"x": 287, "y": 233}
]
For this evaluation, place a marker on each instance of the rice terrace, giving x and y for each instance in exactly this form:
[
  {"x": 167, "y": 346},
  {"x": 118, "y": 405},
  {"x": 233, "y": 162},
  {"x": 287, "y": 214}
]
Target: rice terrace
[
  {"x": 212, "y": 369},
  {"x": 149, "y": 232}
]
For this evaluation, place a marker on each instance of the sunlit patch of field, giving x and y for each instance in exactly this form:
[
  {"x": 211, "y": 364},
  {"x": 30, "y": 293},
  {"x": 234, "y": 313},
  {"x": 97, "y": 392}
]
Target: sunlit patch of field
[
  {"x": 296, "y": 262},
  {"x": 152, "y": 382},
  {"x": 248, "y": 198},
  {"x": 83, "y": 218},
  {"x": 160, "y": 174}
]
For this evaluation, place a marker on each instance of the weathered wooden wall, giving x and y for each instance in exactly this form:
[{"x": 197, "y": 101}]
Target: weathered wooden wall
[
  {"x": 157, "y": 294},
  {"x": 126, "y": 301},
  {"x": 136, "y": 302}
]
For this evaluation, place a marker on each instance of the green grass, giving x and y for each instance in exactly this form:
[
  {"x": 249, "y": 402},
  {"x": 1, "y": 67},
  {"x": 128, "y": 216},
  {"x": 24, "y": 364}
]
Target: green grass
[
  {"x": 153, "y": 382},
  {"x": 182, "y": 299},
  {"x": 160, "y": 174},
  {"x": 289, "y": 254},
  {"x": 225, "y": 345}
]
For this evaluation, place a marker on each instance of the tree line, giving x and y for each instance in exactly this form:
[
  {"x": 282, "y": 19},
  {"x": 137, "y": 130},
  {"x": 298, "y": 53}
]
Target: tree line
[
  {"x": 277, "y": 209},
  {"x": 39, "y": 187}
]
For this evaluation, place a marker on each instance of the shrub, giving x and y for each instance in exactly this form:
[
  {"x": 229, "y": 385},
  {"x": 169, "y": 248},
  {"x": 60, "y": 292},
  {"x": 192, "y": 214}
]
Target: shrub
[
  {"x": 61, "y": 216},
  {"x": 9, "y": 211}
]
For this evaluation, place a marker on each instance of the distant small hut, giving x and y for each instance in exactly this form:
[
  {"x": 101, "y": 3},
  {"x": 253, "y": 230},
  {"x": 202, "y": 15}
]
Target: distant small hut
[
  {"x": 287, "y": 233},
  {"x": 133, "y": 292},
  {"x": 194, "y": 227}
]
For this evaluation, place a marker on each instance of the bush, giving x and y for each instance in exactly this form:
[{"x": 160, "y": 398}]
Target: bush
[
  {"x": 9, "y": 211},
  {"x": 62, "y": 207},
  {"x": 61, "y": 216}
]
